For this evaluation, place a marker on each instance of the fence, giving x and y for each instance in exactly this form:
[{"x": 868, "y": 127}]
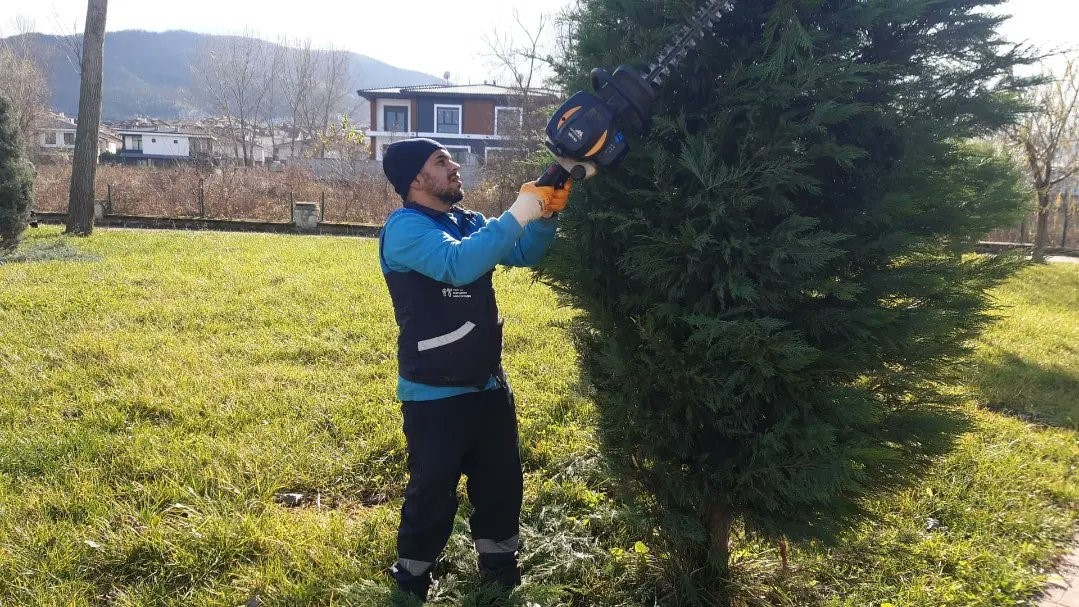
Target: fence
[
  {"x": 360, "y": 194},
  {"x": 1062, "y": 229}
]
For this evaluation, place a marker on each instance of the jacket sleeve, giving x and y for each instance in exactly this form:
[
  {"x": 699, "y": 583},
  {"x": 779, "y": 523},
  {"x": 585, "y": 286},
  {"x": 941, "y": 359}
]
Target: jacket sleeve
[
  {"x": 413, "y": 242},
  {"x": 533, "y": 244}
]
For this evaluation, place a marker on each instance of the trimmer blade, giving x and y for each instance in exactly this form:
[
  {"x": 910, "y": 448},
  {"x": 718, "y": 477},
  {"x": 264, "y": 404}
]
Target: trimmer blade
[{"x": 690, "y": 34}]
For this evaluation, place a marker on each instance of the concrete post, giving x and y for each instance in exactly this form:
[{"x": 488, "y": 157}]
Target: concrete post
[{"x": 305, "y": 215}]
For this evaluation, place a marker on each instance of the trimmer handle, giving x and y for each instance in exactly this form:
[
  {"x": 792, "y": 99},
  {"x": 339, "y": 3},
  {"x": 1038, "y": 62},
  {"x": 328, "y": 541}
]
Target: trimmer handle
[{"x": 556, "y": 176}]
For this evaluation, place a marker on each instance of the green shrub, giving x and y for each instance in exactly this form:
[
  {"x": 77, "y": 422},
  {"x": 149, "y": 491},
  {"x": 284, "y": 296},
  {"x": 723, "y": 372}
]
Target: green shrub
[
  {"x": 16, "y": 182},
  {"x": 775, "y": 281}
]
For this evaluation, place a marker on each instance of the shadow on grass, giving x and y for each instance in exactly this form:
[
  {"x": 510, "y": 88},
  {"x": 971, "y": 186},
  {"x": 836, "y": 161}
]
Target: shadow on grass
[
  {"x": 1034, "y": 393},
  {"x": 483, "y": 595},
  {"x": 46, "y": 250}
]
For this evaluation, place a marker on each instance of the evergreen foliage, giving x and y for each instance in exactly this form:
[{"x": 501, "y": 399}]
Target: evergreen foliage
[
  {"x": 16, "y": 182},
  {"x": 774, "y": 282}
]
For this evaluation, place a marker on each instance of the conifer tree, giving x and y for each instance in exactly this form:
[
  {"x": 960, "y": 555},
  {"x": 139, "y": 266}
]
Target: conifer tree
[
  {"x": 774, "y": 283},
  {"x": 16, "y": 181}
]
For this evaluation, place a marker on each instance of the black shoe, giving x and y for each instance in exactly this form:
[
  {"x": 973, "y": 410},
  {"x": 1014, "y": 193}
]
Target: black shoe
[
  {"x": 501, "y": 569},
  {"x": 404, "y": 598},
  {"x": 408, "y": 585},
  {"x": 491, "y": 594},
  {"x": 508, "y": 577}
]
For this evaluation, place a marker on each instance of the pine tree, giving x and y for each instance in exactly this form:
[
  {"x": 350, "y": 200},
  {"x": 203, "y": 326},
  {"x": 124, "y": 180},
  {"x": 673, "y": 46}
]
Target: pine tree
[
  {"x": 774, "y": 283},
  {"x": 16, "y": 182}
]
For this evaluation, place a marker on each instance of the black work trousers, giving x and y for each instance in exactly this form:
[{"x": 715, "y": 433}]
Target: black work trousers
[{"x": 474, "y": 434}]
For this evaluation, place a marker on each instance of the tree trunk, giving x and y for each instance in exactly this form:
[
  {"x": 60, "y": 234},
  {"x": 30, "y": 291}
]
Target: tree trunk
[
  {"x": 1065, "y": 202},
  {"x": 1041, "y": 233},
  {"x": 719, "y": 523},
  {"x": 1064, "y": 230},
  {"x": 80, "y": 209},
  {"x": 243, "y": 142}
]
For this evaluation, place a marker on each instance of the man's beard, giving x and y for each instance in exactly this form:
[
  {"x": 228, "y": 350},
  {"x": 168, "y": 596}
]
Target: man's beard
[{"x": 451, "y": 196}]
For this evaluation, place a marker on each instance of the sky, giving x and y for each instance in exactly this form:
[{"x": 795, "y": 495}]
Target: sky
[
  {"x": 433, "y": 37},
  {"x": 423, "y": 35}
]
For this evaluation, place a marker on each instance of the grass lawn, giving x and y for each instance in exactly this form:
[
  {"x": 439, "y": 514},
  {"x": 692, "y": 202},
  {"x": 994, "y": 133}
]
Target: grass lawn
[{"x": 158, "y": 390}]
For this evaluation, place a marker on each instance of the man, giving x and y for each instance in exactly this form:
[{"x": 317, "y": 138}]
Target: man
[{"x": 458, "y": 408}]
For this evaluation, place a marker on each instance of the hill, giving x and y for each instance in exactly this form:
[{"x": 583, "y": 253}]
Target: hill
[{"x": 148, "y": 74}]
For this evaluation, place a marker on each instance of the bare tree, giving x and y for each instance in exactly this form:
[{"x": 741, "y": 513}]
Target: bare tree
[
  {"x": 70, "y": 41},
  {"x": 230, "y": 71},
  {"x": 334, "y": 90},
  {"x": 524, "y": 56},
  {"x": 1046, "y": 140},
  {"x": 24, "y": 84},
  {"x": 299, "y": 78},
  {"x": 316, "y": 89},
  {"x": 80, "y": 213},
  {"x": 523, "y": 60},
  {"x": 272, "y": 75}
]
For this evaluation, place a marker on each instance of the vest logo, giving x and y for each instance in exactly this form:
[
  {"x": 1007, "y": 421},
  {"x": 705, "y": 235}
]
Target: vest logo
[{"x": 455, "y": 293}]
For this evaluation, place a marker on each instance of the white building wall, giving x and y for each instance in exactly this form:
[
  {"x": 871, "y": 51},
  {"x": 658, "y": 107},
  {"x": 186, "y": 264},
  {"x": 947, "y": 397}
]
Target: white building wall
[
  {"x": 228, "y": 149},
  {"x": 166, "y": 144},
  {"x": 381, "y": 141},
  {"x": 58, "y": 144}
]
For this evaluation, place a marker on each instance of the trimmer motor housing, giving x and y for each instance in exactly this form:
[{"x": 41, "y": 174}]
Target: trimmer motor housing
[{"x": 594, "y": 127}]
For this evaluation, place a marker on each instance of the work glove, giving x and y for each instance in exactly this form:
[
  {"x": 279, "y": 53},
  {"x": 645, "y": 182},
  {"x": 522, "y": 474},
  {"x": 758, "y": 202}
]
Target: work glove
[{"x": 534, "y": 201}]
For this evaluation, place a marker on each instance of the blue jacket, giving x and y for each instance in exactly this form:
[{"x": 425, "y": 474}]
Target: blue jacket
[{"x": 438, "y": 268}]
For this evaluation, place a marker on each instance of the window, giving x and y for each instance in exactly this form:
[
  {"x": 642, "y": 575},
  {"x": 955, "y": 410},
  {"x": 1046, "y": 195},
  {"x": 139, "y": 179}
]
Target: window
[
  {"x": 507, "y": 121},
  {"x": 153, "y": 140},
  {"x": 461, "y": 154},
  {"x": 395, "y": 118},
  {"x": 448, "y": 119},
  {"x": 69, "y": 138},
  {"x": 133, "y": 143},
  {"x": 176, "y": 141},
  {"x": 50, "y": 138}
]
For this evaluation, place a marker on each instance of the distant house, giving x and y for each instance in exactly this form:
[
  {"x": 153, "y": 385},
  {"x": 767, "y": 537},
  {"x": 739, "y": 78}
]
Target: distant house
[
  {"x": 56, "y": 135},
  {"x": 473, "y": 121},
  {"x": 231, "y": 148},
  {"x": 289, "y": 150},
  {"x": 107, "y": 141},
  {"x": 163, "y": 145}
]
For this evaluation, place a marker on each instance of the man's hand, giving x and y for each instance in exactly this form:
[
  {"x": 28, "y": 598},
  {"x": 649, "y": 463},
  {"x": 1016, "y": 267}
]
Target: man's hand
[{"x": 534, "y": 201}]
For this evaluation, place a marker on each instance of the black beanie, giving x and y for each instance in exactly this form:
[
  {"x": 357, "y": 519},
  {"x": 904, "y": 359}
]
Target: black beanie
[{"x": 403, "y": 160}]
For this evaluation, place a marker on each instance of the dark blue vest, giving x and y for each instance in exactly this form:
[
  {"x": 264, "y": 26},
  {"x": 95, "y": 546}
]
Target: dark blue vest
[{"x": 449, "y": 336}]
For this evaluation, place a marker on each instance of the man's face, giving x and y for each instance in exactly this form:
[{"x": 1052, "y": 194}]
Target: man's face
[{"x": 440, "y": 178}]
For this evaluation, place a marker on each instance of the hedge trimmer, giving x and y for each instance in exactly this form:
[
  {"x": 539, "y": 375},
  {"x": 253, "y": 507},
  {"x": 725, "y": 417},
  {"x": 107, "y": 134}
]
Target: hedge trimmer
[{"x": 594, "y": 127}]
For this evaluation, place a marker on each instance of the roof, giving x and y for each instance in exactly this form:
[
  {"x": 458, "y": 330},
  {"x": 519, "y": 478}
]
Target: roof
[
  {"x": 130, "y": 154},
  {"x": 164, "y": 131},
  {"x": 451, "y": 90},
  {"x": 54, "y": 123}
]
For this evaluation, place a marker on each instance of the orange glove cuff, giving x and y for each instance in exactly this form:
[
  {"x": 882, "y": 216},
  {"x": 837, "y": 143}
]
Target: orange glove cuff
[{"x": 552, "y": 199}]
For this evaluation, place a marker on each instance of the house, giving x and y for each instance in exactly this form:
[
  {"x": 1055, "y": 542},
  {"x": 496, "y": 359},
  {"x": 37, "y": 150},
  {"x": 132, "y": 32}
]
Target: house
[
  {"x": 159, "y": 144},
  {"x": 289, "y": 150},
  {"x": 231, "y": 148},
  {"x": 108, "y": 142},
  {"x": 56, "y": 135},
  {"x": 473, "y": 121}
]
